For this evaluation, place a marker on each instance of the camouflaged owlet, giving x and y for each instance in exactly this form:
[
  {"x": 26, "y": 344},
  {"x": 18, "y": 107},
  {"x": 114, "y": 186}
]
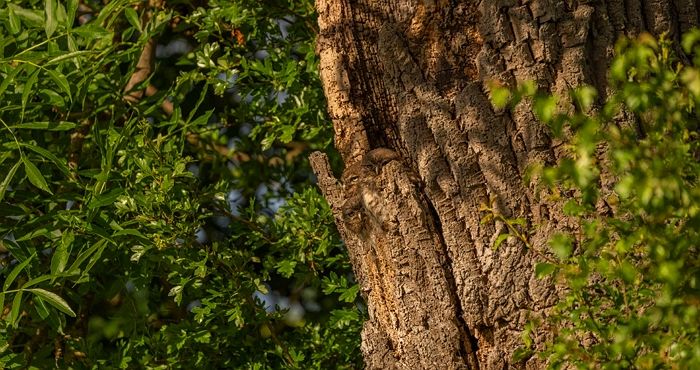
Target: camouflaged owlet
[
  {"x": 378, "y": 158},
  {"x": 363, "y": 206}
]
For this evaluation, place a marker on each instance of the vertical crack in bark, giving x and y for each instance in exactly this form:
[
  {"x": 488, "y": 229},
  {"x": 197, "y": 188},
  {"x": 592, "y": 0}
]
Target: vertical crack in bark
[
  {"x": 646, "y": 24},
  {"x": 469, "y": 343}
]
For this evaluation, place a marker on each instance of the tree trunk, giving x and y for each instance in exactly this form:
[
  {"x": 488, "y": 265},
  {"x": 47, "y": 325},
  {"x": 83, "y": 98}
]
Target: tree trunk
[{"x": 424, "y": 151}]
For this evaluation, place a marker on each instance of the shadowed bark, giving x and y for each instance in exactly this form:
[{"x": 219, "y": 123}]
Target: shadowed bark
[{"x": 411, "y": 78}]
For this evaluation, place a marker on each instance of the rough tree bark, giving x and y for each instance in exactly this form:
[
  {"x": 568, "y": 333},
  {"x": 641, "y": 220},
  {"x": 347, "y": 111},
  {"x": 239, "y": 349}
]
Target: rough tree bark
[{"x": 424, "y": 149}]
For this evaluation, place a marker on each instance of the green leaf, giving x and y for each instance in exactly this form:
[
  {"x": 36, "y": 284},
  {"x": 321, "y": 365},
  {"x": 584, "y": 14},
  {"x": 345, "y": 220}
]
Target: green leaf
[
  {"x": 500, "y": 96},
  {"x": 350, "y": 294},
  {"x": 286, "y": 267},
  {"x": 628, "y": 272},
  {"x": 71, "y": 10},
  {"x": 48, "y": 155},
  {"x": 50, "y": 22},
  {"x": 111, "y": 8},
  {"x": 522, "y": 354},
  {"x": 34, "y": 175},
  {"x": 91, "y": 262},
  {"x": 562, "y": 245},
  {"x": 176, "y": 292},
  {"x": 39, "y": 231},
  {"x": 132, "y": 17},
  {"x": 572, "y": 208},
  {"x": 500, "y": 240},
  {"x": 2, "y": 300},
  {"x": 544, "y": 107},
  {"x": 85, "y": 254},
  {"x": 15, "y": 272},
  {"x": 36, "y": 281},
  {"x": 28, "y": 88},
  {"x": 10, "y": 78},
  {"x": 54, "y": 300},
  {"x": 60, "y": 254},
  {"x": 61, "y": 81},
  {"x": 543, "y": 269},
  {"x": 486, "y": 219},
  {"x": 66, "y": 56},
  {"x": 45, "y": 125},
  {"x": 343, "y": 318},
  {"x": 585, "y": 96},
  {"x": 8, "y": 178},
  {"x": 132, "y": 232},
  {"x": 14, "y": 312},
  {"x": 518, "y": 221},
  {"x": 41, "y": 308},
  {"x": 15, "y": 25},
  {"x": 33, "y": 17},
  {"x": 105, "y": 199}
]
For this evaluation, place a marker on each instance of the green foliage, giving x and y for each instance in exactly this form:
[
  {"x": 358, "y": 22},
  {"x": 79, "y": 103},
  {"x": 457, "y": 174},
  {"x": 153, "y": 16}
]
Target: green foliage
[
  {"x": 132, "y": 236},
  {"x": 630, "y": 180}
]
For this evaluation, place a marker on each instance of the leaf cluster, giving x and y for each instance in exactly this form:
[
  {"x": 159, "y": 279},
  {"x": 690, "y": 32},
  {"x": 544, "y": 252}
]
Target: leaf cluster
[
  {"x": 171, "y": 230},
  {"x": 629, "y": 179}
]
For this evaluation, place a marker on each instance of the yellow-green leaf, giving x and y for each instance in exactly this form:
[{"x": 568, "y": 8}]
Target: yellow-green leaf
[
  {"x": 60, "y": 254},
  {"x": 68, "y": 56},
  {"x": 61, "y": 81},
  {"x": 14, "y": 21},
  {"x": 45, "y": 125},
  {"x": 72, "y": 7},
  {"x": 14, "y": 312},
  {"x": 543, "y": 269},
  {"x": 132, "y": 17},
  {"x": 54, "y": 300},
  {"x": 500, "y": 240},
  {"x": 34, "y": 175},
  {"x": 50, "y": 21},
  {"x": 6, "y": 182},
  {"x": 9, "y": 78},
  {"x": 27, "y": 89}
]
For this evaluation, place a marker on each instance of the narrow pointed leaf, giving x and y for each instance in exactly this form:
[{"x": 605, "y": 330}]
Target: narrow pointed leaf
[
  {"x": 67, "y": 56},
  {"x": 15, "y": 271},
  {"x": 6, "y": 182},
  {"x": 60, "y": 255},
  {"x": 50, "y": 22},
  {"x": 500, "y": 240},
  {"x": 46, "y": 125},
  {"x": 14, "y": 312},
  {"x": 41, "y": 308},
  {"x": 61, "y": 81},
  {"x": 28, "y": 88},
  {"x": 50, "y": 156},
  {"x": 35, "y": 176},
  {"x": 132, "y": 17},
  {"x": 85, "y": 254},
  {"x": 36, "y": 281},
  {"x": 14, "y": 21},
  {"x": 71, "y": 9},
  {"x": 9, "y": 78},
  {"x": 54, "y": 300}
]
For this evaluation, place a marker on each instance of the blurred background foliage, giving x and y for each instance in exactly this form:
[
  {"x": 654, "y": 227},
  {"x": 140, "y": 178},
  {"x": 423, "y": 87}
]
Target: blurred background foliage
[{"x": 176, "y": 228}]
